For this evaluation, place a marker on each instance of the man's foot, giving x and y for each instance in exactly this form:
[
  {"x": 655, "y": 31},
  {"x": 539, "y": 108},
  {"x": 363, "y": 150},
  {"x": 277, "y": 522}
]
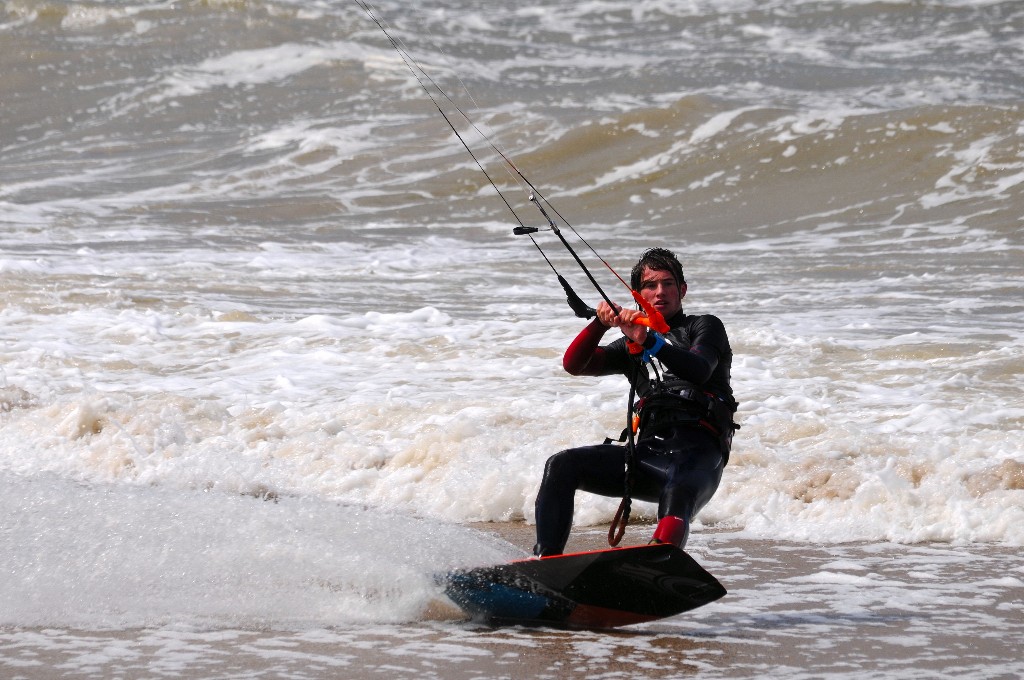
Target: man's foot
[
  {"x": 539, "y": 551},
  {"x": 671, "y": 529}
]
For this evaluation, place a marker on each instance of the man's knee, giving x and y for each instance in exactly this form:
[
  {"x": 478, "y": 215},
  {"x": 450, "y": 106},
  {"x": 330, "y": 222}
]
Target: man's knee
[{"x": 561, "y": 467}]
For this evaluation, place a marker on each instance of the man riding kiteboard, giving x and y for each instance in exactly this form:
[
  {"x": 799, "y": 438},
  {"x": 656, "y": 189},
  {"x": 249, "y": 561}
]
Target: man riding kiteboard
[{"x": 684, "y": 412}]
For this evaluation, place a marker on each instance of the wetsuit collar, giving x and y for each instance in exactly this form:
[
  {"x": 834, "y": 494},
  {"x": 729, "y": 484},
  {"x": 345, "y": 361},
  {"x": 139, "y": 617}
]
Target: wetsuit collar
[{"x": 677, "y": 319}]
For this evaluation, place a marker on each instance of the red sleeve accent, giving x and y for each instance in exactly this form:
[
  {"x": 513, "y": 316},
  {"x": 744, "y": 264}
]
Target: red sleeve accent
[{"x": 583, "y": 356}]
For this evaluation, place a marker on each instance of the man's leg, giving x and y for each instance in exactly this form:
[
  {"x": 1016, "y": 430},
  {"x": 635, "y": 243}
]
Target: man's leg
[
  {"x": 597, "y": 469},
  {"x": 692, "y": 467}
]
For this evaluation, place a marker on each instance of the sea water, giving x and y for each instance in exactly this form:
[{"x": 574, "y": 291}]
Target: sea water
[{"x": 270, "y": 350}]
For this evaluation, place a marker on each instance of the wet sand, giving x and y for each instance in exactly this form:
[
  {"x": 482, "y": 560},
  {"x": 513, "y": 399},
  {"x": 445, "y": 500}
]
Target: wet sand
[{"x": 793, "y": 610}]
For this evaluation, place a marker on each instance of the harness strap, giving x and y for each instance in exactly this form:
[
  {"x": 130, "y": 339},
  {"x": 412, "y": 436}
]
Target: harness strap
[
  {"x": 619, "y": 522},
  {"x": 621, "y": 519}
]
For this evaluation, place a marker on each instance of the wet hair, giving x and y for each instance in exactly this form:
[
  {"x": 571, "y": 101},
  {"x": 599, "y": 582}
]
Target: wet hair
[{"x": 660, "y": 260}]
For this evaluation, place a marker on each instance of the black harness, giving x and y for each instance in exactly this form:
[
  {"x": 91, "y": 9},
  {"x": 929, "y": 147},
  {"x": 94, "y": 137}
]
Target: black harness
[{"x": 666, "y": 408}]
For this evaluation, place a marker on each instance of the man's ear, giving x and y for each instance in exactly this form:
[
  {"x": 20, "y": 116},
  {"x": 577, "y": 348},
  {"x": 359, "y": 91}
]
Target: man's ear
[{"x": 682, "y": 291}]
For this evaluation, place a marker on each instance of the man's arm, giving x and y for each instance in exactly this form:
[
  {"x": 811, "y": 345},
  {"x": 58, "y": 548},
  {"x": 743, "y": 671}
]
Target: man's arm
[
  {"x": 698, "y": 363},
  {"x": 584, "y": 356}
]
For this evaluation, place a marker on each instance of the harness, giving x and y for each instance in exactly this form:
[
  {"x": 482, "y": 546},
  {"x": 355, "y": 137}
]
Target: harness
[{"x": 687, "y": 406}]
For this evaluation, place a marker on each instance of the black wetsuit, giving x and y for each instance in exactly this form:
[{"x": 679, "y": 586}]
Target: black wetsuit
[{"x": 683, "y": 442}]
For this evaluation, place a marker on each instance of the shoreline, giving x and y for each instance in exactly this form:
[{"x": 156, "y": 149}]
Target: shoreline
[{"x": 875, "y": 609}]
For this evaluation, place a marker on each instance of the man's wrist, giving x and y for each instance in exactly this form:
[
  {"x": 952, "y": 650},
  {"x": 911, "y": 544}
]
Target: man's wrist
[{"x": 652, "y": 344}]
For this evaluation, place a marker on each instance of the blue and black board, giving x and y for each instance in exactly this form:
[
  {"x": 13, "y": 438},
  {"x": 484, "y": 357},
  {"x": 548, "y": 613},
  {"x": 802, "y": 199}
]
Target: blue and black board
[{"x": 599, "y": 589}]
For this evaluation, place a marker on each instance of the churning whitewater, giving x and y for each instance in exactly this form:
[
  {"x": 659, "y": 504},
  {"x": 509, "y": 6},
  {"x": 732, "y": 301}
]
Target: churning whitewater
[{"x": 270, "y": 348}]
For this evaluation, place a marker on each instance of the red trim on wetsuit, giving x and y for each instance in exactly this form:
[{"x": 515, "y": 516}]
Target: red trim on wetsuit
[{"x": 583, "y": 356}]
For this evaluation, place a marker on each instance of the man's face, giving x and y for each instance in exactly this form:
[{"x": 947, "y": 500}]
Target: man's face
[{"x": 661, "y": 290}]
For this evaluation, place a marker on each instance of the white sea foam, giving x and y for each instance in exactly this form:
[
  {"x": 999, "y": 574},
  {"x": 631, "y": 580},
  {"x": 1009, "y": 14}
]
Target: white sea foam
[{"x": 398, "y": 408}]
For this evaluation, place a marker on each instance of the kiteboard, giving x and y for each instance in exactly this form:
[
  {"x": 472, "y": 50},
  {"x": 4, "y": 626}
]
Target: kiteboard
[{"x": 597, "y": 589}]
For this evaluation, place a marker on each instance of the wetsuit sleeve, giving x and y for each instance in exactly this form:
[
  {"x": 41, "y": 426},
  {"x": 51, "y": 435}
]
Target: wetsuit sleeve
[
  {"x": 708, "y": 344},
  {"x": 584, "y": 356}
]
